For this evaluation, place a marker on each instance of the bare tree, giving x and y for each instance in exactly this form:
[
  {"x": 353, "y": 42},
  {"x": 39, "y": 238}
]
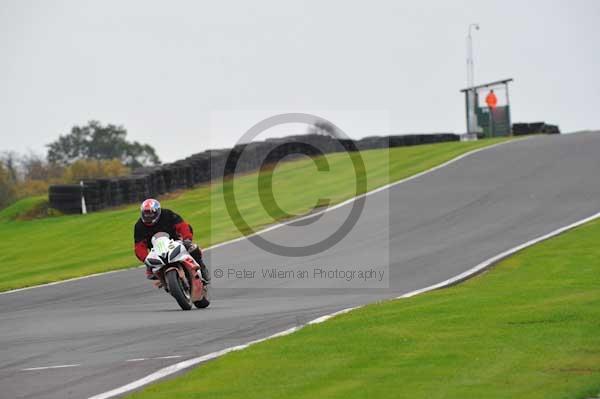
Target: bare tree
[
  {"x": 7, "y": 186},
  {"x": 322, "y": 128},
  {"x": 35, "y": 167},
  {"x": 10, "y": 161}
]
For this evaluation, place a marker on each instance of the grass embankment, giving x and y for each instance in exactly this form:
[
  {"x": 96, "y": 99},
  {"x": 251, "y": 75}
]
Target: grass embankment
[
  {"x": 529, "y": 328},
  {"x": 25, "y": 209},
  {"x": 56, "y": 248}
]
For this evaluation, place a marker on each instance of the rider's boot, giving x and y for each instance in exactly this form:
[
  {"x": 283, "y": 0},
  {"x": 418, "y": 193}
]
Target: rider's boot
[
  {"x": 150, "y": 275},
  {"x": 195, "y": 252},
  {"x": 204, "y": 272}
]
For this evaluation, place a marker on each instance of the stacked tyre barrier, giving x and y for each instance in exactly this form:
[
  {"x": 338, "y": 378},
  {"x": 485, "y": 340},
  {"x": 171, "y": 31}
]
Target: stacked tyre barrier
[
  {"x": 214, "y": 165},
  {"x": 65, "y": 197},
  {"x": 522, "y": 129}
]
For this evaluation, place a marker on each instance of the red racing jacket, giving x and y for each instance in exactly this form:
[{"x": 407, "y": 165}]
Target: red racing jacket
[{"x": 169, "y": 222}]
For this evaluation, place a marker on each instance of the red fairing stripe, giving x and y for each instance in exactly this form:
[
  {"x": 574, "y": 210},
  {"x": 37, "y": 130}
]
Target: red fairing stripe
[
  {"x": 190, "y": 262},
  {"x": 141, "y": 250},
  {"x": 183, "y": 229}
]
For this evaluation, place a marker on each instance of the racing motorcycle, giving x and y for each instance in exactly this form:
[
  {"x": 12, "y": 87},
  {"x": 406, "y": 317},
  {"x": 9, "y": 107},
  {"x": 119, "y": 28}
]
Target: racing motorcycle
[{"x": 177, "y": 272}]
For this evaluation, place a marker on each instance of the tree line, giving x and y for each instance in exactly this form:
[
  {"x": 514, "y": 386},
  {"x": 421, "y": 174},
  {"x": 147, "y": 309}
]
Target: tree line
[{"x": 86, "y": 152}]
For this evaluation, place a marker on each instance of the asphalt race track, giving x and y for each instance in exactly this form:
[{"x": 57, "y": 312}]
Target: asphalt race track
[{"x": 115, "y": 328}]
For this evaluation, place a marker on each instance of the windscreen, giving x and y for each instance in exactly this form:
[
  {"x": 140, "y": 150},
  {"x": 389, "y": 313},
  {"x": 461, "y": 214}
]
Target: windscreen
[{"x": 160, "y": 242}]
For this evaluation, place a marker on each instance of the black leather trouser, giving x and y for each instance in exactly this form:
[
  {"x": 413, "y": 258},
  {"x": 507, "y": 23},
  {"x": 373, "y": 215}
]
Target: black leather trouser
[{"x": 195, "y": 253}]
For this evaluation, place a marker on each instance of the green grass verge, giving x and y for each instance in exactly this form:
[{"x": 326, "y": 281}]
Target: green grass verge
[
  {"x": 529, "y": 328},
  {"x": 63, "y": 247}
]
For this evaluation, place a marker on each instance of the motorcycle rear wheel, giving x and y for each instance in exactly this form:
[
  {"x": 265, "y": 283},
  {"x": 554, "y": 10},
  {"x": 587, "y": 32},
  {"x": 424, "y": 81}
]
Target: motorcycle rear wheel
[{"x": 177, "y": 291}]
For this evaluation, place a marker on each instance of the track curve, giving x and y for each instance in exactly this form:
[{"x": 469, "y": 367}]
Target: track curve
[{"x": 112, "y": 329}]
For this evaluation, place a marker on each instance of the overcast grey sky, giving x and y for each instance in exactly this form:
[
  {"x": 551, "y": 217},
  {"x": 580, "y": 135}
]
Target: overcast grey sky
[{"x": 185, "y": 76}]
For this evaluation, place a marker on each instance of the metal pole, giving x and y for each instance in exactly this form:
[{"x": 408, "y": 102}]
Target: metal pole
[
  {"x": 492, "y": 122},
  {"x": 510, "y": 132},
  {"x": 467, "y": 106},
  {"x": 470, "y": 78},
  {"x": 470, "y": 60}
]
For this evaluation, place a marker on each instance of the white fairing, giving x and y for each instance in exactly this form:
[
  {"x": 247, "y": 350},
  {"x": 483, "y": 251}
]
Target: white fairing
[{"x": 165, "y": 251}]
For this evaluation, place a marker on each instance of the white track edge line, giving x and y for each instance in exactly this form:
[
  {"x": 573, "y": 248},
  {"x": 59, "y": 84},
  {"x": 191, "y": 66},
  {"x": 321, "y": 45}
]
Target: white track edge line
[
  {"x": 174, "y": 368},
  {"x": 374, "y": 191},
  {"x": 68, "y": 280},
  {"x": 491, "y": 261},
  {"x": 195, "y": 361},
  {"x": 61, "y": 366},
  {"x": 287, "y": 222}
]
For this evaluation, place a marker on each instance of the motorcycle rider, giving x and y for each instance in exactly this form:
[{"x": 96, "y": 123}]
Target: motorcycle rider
[{"x": 153, "y": 219}]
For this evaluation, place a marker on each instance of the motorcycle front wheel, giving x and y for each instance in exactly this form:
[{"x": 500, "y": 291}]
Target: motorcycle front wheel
[{"x": 177, "y": 290}]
